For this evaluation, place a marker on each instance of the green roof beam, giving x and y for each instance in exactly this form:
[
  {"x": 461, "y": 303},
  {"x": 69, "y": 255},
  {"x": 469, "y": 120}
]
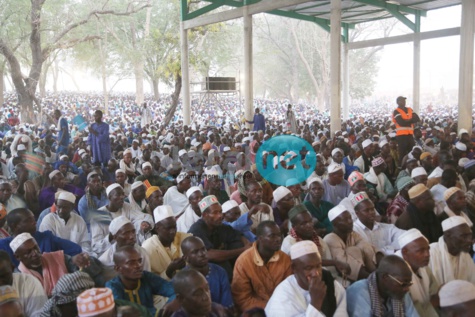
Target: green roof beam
[
  {"x": 392, "y": 7},
  {"x": 203, "y": 10},
  {"x": 313, "y": 6}
]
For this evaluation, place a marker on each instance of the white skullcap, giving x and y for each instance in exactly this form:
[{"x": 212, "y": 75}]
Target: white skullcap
[
  {"x": 162, "y": 212},
  {"x": 463, "y": 161},
  {"x": 137, "y": 185},
  {"x": 383, "y": 143},
  {"x": 316, "y": 143},
  {"x": 135, "y": 141},
  {"x": 332, "y": 168},
  {"x": 313, "y": 180},
  {"x": 462, "y": 131},
  {"x": 302, "y": 248},
  {"x": 145, "y": 164},
  {"x": 280, "y": 192},
  {"x": 180, "y": 177},
  {"x": 81, "y": 152},
  {"x": 460, "y": 146},
  {"x": 336, "y": 150},
  {"x": 21, "y": 147},
  {"x": 191, "y": 153},
  {"x": 64, "y": 195},
  {"x": 335, "y": 212},
  {"x": 452, "y": 222},
  {"x": 418, "y": 171},
  {"x": 53, "y": 174},
  {"x": 112, "y": 187},
  {"x": 226, "y": 148},
  {"x": 182, "y": 152},
  {"x": 24, "y": 139},
  {"x": 63, "y": 156},
  {"x": 230, "y": 204},
  {"x": 119, "y": 171},
  {"x": 192, "y": 190},
  {"x": 409, "y": 236},
  {"x": 19, "y": 240},
  {"x": 367, "y": 143},
  {"x": 118, "y": 223},
  {"x": 456, "y": 292}
]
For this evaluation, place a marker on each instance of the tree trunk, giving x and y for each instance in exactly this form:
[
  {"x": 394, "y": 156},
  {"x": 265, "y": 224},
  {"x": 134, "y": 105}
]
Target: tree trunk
[
  {"x": 139, "y": 78},
  {"x": 156, "y": 93},
  {"x": 2, "y": 85},
  {"x": 175, "y": 96},
  {"x": 42, "y": 83},
  {"x": 55, "y": 76}
]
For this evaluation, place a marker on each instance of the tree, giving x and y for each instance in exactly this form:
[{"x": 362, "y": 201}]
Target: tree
[{"x": 52, "y": 26}]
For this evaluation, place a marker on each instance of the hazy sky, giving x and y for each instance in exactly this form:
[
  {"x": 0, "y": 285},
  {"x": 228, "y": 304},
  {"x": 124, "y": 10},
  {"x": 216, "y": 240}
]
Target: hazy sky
[{"x": 439, "y": 59}]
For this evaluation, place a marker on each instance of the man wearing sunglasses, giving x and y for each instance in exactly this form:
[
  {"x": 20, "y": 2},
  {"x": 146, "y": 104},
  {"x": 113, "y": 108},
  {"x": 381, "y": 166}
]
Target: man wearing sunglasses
[{"x": 384, "y": 293}]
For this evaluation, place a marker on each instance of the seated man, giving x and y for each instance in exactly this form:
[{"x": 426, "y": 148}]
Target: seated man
[
  {"x": 67, "y": 224},
  {"x": 122, "y": 233},
  {"x": 8, "y": 199},
  {"x": 187, "y": 284},
  {"x": 213, "y": 186},
  {"x": 415, "y": 251},
  {"x": 253, "y": 193},
  {"x": 135, "y": 284},
  {"x": 47, "y": 267},
  {"x": 303, "y": 229},
  {"x": 240, "y": 222},
  {"x": 223, "y": 243},
  {"x": 399, "y": 204},
  {"x": 382, "y": 236},
  {"x": 94, "y": 198},
  {"x": 457, "y": 299},
  {"x": 192, "y": 212},
  {"x": 163, "y": 248},
  {"x": 58, "y": 182},
  {"x": 153, "y": 180},
  {"x": 10, "y": 305},
  {"x": 31, "y": 293},
  {"x": 259, "y": 270},
  {"x": 284, "y": 201},
  {"x": 23, "y": 221},
  {"x": 449, "y": 257},
  {"x": 115, "y": 208},
  {"x": 456, "y": 205},
  {"x": 420, "y": 214},
  {"x": 336, "y": 187},
  {"x": 196, "y": 257},
  {"x": 349, "y": 247},
  {"x": 176, "y": 195},
  {"x": 310, "y": 291},
  {"x": 384, "y": 293},
  {"x": 136, "y": 198}
]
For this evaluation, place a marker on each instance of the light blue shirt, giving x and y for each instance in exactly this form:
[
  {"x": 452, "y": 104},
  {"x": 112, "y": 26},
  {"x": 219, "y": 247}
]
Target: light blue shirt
[
  {"x": 359, "y": 302},
  {"x": 86, "y": 213}
]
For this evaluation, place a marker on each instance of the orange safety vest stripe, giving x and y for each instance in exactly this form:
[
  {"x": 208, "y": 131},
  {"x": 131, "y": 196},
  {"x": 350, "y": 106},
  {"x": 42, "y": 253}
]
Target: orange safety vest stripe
[{"x": 406, "y": 116}]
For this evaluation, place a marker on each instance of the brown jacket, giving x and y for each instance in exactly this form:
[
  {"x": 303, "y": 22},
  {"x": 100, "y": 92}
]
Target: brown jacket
[{"x": 253, "y": 281}]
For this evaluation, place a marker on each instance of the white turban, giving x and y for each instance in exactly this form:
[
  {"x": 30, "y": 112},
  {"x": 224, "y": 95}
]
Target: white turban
[
  {"x": 303, "y": 248},
  {"x": 118, "y": 223}
]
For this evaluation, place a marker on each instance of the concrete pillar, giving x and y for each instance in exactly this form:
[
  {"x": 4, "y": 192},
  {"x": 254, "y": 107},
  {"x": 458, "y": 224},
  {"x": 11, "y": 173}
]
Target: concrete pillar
[
  {"x": 416, "y": 93},
  {"x": 248, "y": 77},
  {"x": 467, "y": 32},
  {"x": 346, "y": 82},
  {"x": 335, "y": 65},
  {"x": 185, "y": 76}
]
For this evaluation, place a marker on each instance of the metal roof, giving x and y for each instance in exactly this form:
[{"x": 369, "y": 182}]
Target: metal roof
[{"x": 353, "y": 11}]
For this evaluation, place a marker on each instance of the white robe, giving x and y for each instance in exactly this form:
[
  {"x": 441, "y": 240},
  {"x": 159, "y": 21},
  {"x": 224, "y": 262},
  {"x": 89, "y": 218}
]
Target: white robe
[
  {"x": 259, "y": 216},
  {"x": 290, "y": 300},
  {"x": 422, "y": 289},
  {"x": 176, "y": 200},
  {"x": 74, "y": 230},
  {"x": 186, "y": 220},
  {"x": 100, "y": 229},
  {"x": 31, "y": 293},
  {"x": 447, "y": 267}
]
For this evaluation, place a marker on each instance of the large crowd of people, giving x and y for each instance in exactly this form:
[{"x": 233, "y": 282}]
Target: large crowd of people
[{"x": 113, "y": 212}]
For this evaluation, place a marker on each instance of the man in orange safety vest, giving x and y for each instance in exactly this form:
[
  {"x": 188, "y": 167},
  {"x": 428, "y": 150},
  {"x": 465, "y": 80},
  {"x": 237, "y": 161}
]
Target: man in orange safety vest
[{"x": 404, "y": 119}]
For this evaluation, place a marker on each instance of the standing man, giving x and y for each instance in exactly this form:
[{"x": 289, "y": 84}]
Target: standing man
[
  {"x": 146, "y": 114},
  {"x": 99, "y": 140},
  {"x": 63, "y": 132},
  {"x": 259, "y": 121},
  {"x": 404, "y": 119}
]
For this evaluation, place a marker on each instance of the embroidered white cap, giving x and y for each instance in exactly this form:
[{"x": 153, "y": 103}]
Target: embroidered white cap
[
  {"x": 19, "y": 240},
  {"x": 162, "y": 212},
  {"x": 303, "y": 248},
  {"x": 452, "y": 222}
]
